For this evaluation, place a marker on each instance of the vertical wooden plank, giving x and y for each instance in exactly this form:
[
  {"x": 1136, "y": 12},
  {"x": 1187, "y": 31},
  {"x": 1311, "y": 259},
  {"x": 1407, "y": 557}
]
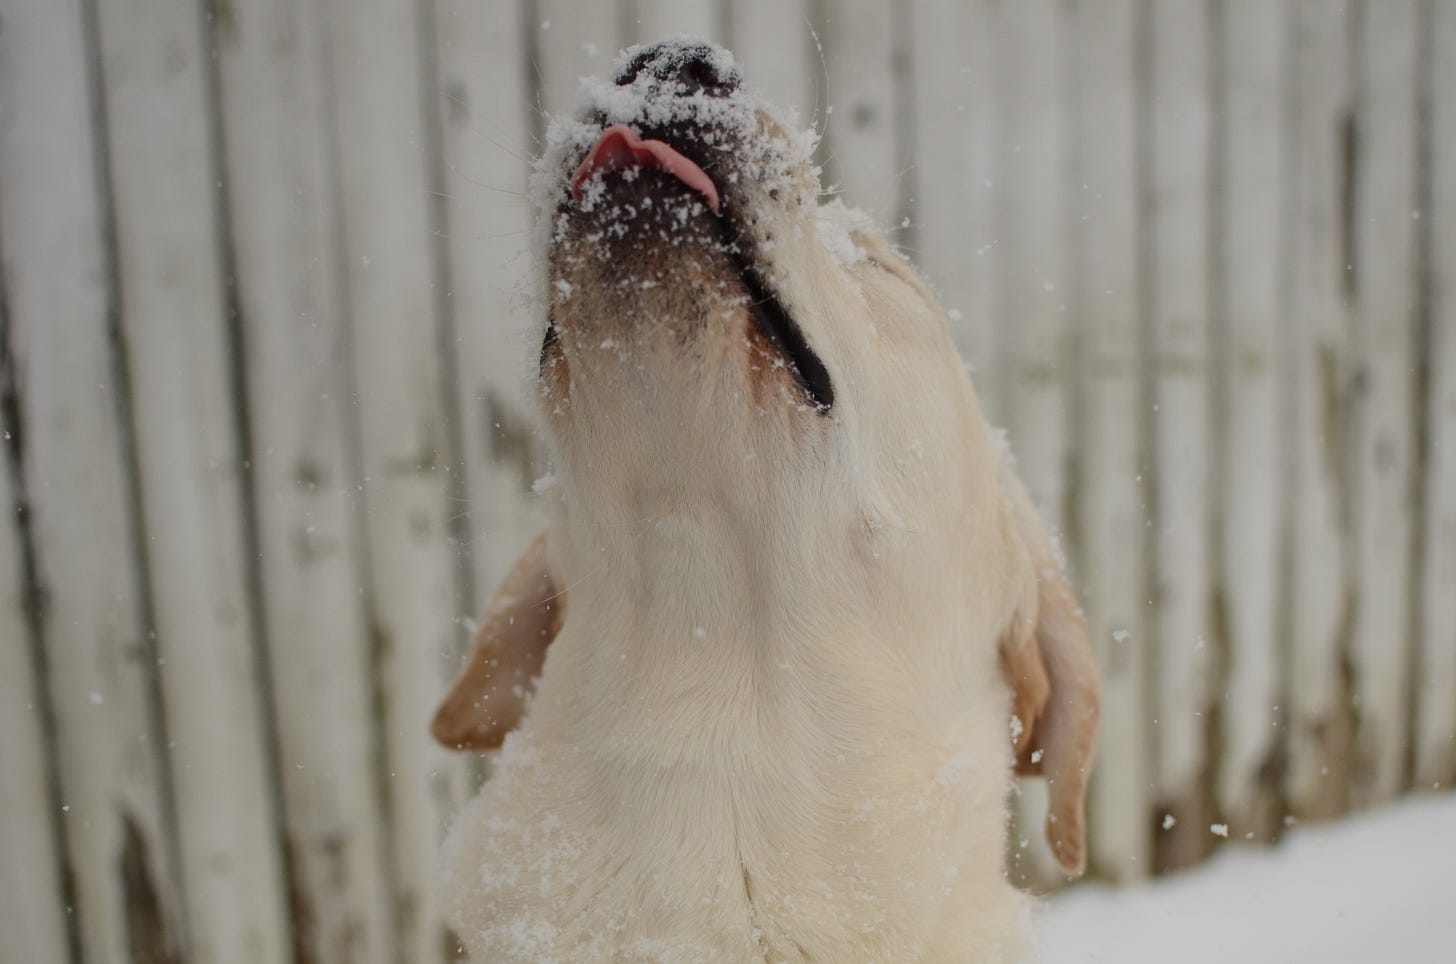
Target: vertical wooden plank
[
  {"x": 275, "y": 129},
  {"x": 1110, "y": 506},
  {"x": 772, "y": 43},
  {"x": 1382, "y": 417},
  {"x": 163, "y": 176},
  {"x": 484, "y": 118},
  {"x": 1030, "y": 263},
  {"x": 954, "y": 174},
  {"x": 56, "y": 288},
  {"x": 1250, "y": 263},
  {"x": 389, "y": 274},
  {"x": 649, "y": 21},
  {"x": 494, "y": 305},
  {"x": 1179, "y": 289},
  {"x": 573, "y": 40},
  {"x": 860, "y": 126},
  {"x": 32, "y": 916},
  {"x": 1435, "y": 760},
  {"x": 1030, "y": 257},
  {"x": 1319, "y": 603}
]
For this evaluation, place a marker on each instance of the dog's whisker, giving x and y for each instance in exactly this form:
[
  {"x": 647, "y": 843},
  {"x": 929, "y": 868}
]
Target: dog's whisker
[
  {"x": 497, "y": 237},
  {"x": 821, "y": 81},
  {"x": 457, "y": 99},
  {"x": 613, "y": 525},
  {"x": 514, "y": 205},
  {"x": 480, "y": 184},
  {"x": 566, "y": 589},
  {"x": 535, "y": 106}
]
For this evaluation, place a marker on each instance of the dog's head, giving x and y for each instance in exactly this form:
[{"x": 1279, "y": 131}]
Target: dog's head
[
  {"x": 684, "y": 228},
  {"x": 723, "y": 349}
]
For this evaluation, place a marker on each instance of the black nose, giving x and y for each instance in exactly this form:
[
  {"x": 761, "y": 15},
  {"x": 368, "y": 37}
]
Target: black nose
[{"x": 683, "y": 67}]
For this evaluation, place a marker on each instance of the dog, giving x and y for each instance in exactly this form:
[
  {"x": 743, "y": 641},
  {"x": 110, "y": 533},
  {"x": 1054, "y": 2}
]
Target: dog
[{"x": 760, "y": 688}]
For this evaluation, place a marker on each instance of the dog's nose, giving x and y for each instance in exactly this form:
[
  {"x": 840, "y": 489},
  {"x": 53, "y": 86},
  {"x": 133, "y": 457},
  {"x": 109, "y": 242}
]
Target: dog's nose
[{"x": 684, "y": 67}]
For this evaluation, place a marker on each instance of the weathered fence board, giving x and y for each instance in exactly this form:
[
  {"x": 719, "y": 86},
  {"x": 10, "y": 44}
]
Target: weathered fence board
[
  {"x": 31, "y": 915},
  {"x": 1179, "y": 288},
  {"x": 275, "y": 116},
  {"x": 486, "y": 129},
  {"x": 573, "y": 40},
  {"x": 1250, "y": 405},
  {"x": 97, "y": 669},
  {"x": 771, "y": 41},
  {"x": 1382, "y": 414},
  {"x": 649, "y": 20},
  {"x": 174, "y": 324},
  {"x": 861, "y": 126},
  {"x": 953, "y": 170},
  {"x": 1316, "y": 311},
  {"x": 493, "y": 303},
  {"x": 1030, "y": 264},
  {"x": 1030, "y": 257},
  {"x": 391, "y": 278},
  {"x": 1435, "y": 762},
  {"x": 1110, "y": 504}
]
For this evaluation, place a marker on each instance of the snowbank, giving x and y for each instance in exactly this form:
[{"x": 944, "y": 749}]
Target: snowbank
[{"x": 1374, "y": 888}]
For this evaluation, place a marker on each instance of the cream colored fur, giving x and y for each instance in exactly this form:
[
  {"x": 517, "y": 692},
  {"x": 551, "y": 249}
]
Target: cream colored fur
[{"x": 774, "y": 724}]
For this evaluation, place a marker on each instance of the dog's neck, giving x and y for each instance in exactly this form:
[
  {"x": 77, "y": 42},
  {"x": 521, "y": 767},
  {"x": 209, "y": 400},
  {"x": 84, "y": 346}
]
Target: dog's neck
[
  {"x": 756, "y": 720},
  {"x": 714, "y": 615}
]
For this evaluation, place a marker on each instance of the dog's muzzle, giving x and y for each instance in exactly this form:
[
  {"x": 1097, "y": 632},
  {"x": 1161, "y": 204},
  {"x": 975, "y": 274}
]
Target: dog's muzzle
[{"x": 680, "y": 141}]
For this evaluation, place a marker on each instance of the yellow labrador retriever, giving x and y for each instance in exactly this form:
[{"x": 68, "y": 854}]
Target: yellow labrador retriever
[{"x": 760, "y": 686}]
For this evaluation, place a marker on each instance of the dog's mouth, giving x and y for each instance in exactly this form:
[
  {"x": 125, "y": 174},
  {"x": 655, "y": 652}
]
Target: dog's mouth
[
  {"x": 670, "y": 184},
  {"x": 620, "y": 149}
]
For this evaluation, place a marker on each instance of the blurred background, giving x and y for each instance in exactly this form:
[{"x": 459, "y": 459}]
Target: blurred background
[{"x": 268, "y": 442}]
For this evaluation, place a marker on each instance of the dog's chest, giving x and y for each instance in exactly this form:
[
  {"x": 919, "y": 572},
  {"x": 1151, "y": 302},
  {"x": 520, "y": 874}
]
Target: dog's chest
[{"x": 712, "y": 854}]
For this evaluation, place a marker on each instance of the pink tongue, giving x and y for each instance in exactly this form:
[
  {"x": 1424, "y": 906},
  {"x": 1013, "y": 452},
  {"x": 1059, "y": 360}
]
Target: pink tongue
[{"x": 619, "y": 147}]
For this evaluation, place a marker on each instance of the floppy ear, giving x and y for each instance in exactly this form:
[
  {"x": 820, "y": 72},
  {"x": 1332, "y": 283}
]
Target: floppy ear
[
  {"x": 1048, "y": 663},
  {"x": 488, "y": 698}
]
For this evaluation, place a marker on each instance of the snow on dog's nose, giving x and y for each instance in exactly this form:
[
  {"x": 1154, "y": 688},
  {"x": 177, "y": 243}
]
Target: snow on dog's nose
[{"x": 684, "y": 67}]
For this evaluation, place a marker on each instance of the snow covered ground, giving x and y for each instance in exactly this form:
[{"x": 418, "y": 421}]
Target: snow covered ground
[{"x": 1380, "y": 887}]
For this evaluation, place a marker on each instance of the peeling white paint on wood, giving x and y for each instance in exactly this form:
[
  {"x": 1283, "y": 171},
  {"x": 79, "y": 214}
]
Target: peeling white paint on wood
[
  {"x": 652, "y": 20},
  {"x": 1250, "y": 404},
  {"x": 772, "y": 42},
  {"x": 495, "y": 304},
  {"x": 1317, "y": 313},
  {"x": 390, "y": 277},
  {"x": 163, "y": 174},
  {"x": 1030, "y": 261},
  {"x": 860, "y": 125},
  {"x": 574, "y": 40},
  {"x": 1111, "y": 506},
  {"x": 1179, "y": 286},
  {"x": 31, "y": 915},
  {"x": 281, "y": 193},
  {"x": 953, "y": 209},
  {"x": 56, "y": 315},
  {"x": 1382, "y": 414},
  {"x": 1435, "y": 763}
]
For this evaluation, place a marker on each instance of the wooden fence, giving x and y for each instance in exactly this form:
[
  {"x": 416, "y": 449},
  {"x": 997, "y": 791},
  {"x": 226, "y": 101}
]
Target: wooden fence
[{"x": 267, "y": 442}]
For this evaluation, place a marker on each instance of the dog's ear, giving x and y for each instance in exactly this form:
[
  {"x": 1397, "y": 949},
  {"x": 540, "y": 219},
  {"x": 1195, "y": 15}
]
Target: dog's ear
[
  {"x": 488, "y": 698},
  {"x": 1049, "y": 665}
]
